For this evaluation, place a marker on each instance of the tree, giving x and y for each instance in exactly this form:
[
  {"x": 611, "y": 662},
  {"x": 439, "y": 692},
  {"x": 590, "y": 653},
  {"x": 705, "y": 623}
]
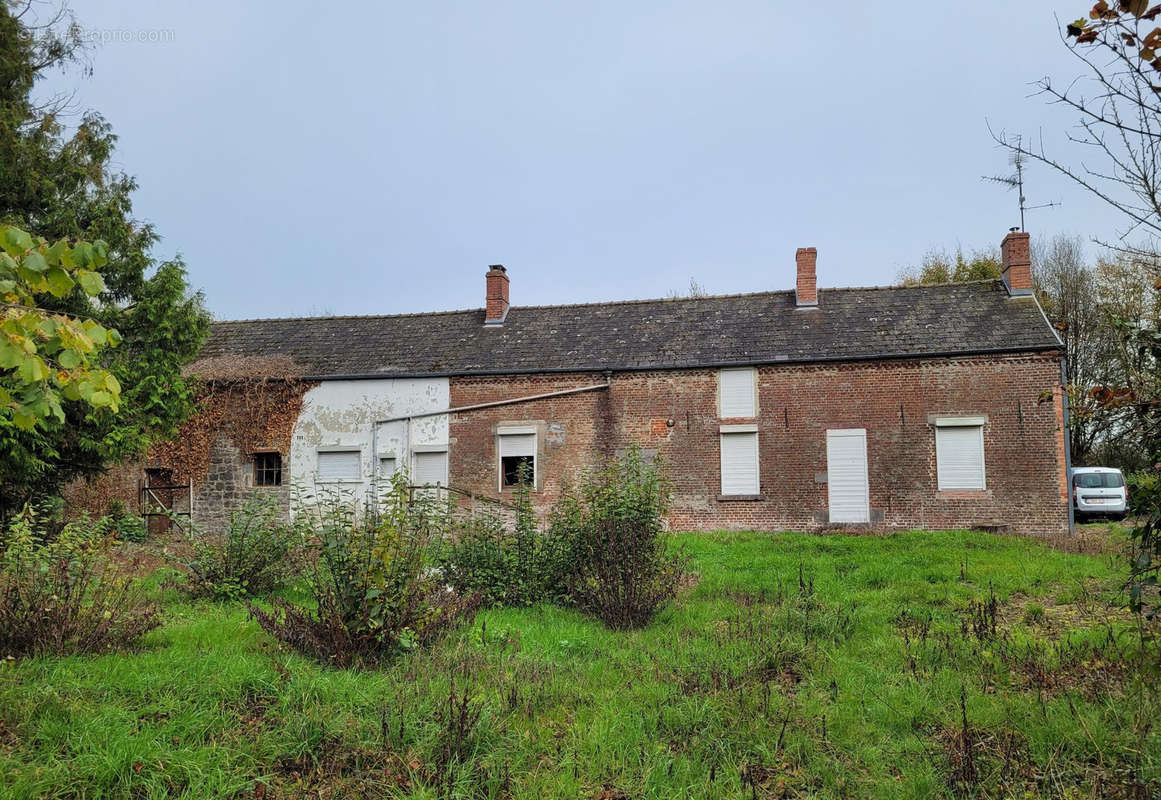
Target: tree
[
  {"x": 1067, "y": 288},
  {"x": 939, "y": 267},
  {"x": 1118, "y": 105},
  {"x": 694, "y": 291},
  {"x": 47, "y": 358},
  {"x": 63, "y": 186}
]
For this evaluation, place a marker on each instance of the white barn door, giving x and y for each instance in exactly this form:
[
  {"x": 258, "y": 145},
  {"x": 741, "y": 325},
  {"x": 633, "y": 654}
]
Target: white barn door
[{"x": 846, "y": 470}]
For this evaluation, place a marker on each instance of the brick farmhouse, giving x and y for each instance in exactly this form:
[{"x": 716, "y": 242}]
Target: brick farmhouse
[{"x": 901, "y": 407}]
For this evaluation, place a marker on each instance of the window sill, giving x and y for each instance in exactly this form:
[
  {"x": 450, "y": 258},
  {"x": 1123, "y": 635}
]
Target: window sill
[
  {"x": 964, "y": 494},
  {"x": 740, "y": 498},
  {"x": 334, "y": 481}
]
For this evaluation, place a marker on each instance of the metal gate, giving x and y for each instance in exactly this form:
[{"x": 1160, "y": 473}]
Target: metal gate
[{"x": 164, "y": 502}]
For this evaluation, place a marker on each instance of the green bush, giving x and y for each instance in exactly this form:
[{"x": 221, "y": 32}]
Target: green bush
[
  {"x": 1145, "y": 537},
  {"x": 255, "y": 554},
  {"x": 61, "y": 594},
  {"x": 123, "y": 525},
  {"x": 520, "y": 567},
  {"x": 375, "y": 590},
  {"x": 614, "y": 528}
]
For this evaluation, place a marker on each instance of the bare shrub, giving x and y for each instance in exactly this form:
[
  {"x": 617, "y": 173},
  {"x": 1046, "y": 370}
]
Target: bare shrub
[{"x": 62, "y": 595}]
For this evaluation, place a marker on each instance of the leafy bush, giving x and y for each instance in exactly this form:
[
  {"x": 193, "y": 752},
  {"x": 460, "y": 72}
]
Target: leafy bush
[
  {"x": 123, "y": 525},
  {"x": 374, "y": 592},
  {"x": 520, "y": 567},
  {"x": 1145, "y": 566},
  {"x": 255, "y": 554},
  {"x": 614, "y": 527},
  {"x": 62, "y": 594}
]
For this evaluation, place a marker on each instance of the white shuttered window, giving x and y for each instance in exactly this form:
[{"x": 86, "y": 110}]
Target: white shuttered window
[
  {"x": 736, "y": 390},
  {"x": 429, "y": 468},
  {"x": 959, "y": 450},
  {"x": 339, "y": 465},
  {"x": 739, "y": 462}
]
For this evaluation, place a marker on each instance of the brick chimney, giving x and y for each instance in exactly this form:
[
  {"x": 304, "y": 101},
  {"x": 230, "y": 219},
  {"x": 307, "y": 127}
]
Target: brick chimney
[
  {"x": 496, "y": 306},
  {"x": 806, "y": 290},
  {"x": 1016, "y": 255}
]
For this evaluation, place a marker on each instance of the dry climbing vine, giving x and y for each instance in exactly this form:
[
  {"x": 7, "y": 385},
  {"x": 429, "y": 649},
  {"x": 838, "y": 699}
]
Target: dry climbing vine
[{"x": 253, "y": 402}]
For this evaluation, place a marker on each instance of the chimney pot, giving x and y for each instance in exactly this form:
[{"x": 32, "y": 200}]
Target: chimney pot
[
  {"x": 806, "y": 289},
  {"x": 495, "y": 295},
  {"x": 1016, "y": 257}
]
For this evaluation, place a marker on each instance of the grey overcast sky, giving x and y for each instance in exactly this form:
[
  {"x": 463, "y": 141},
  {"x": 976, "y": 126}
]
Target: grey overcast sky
[{"x": 372, "y": 158}]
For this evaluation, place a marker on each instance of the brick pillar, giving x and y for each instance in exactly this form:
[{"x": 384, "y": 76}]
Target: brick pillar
[
  {"x": 1016, "y": 254},
  {"x": 806, "y": 290},
  {"x": 496, "y": 307}
]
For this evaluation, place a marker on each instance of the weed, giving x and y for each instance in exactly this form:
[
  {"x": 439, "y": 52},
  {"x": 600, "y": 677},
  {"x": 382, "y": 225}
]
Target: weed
[{"x": 1034, "y": 614}]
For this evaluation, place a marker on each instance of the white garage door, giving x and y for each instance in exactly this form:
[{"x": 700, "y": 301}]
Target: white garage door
[{"x": 846, "y": 469}]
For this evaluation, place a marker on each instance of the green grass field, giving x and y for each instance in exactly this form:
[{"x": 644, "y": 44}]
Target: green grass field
[{"x": 846, "y": 682}]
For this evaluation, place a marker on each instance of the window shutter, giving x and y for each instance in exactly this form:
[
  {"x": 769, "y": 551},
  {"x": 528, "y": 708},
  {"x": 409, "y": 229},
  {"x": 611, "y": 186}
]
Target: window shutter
[
  {"x": 429, "y": 468},
  {"x": 339, "y": 465},
  {"x": 739, "y": 463},
  {"x": 960, "y": 456},
  {"x": 517, "y": 444},
  {"x": 737, "y": 393}
]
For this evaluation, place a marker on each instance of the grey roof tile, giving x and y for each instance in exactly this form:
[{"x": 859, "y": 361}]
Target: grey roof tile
[{"x": 767, "y": 327}]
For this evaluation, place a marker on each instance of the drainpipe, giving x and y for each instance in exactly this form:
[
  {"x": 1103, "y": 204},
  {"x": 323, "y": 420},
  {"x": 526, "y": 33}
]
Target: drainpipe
[
  {"x": 1067, "y": 446},
  {"x": 507, "y": 402}
]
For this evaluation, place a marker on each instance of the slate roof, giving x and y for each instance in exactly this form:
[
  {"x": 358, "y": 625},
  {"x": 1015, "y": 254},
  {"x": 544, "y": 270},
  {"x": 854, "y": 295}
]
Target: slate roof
[{"x": 849, "y": 324}]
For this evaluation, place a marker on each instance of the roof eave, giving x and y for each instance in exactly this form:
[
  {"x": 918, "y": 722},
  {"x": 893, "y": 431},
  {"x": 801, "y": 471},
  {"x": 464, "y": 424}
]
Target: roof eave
[{"x": 1047, "y": 348}]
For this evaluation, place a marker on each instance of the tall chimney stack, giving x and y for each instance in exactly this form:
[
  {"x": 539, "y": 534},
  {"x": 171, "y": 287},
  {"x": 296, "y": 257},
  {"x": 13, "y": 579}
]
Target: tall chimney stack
[
  {"x": 806, "y": 289},
  {"x": 496, "y": 295},
  {"x": 1016, "y": 256}
]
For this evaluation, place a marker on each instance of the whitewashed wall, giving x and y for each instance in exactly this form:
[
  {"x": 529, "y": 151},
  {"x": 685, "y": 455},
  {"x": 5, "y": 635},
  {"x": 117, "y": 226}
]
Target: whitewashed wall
[{"x": 340, "y": 415}]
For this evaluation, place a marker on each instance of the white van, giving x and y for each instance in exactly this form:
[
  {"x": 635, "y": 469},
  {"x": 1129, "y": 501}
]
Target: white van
[{"x": 1099, "y": 492}]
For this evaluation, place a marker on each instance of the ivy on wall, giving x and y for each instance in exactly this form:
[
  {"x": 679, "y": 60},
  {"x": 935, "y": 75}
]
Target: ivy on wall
[{"x": 253, "y": 402}]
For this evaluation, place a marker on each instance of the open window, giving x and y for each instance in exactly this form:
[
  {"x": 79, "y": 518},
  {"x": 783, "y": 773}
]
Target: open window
[
  {"x": 268, "y": 469},
  {"x": 517, "y": 452}
]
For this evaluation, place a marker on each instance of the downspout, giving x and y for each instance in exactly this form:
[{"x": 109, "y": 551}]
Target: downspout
[{"x": 1067, "y": 446}]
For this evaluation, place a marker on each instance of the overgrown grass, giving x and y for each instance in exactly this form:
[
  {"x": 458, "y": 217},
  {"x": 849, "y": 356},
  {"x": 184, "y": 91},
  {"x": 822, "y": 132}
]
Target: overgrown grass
[{"x": 797, "y": 665}]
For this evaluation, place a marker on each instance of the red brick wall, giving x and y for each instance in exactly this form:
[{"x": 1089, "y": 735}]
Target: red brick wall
[{"x": 675, "y": 413}]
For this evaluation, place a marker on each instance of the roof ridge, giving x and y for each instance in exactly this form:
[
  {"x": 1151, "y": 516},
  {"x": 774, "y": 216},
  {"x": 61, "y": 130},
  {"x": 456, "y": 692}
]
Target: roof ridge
[{"x": 640, "y": 301}]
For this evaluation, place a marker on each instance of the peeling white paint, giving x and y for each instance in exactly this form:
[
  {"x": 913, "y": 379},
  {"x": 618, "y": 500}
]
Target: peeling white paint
[{"x": 340, "y": 415}]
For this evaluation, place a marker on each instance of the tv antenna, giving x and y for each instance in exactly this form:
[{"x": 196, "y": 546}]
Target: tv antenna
[{"x": 1016, "y": 180}]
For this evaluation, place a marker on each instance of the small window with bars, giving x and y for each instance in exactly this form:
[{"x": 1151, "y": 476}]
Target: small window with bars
[{"x": 268, "y": 469}]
